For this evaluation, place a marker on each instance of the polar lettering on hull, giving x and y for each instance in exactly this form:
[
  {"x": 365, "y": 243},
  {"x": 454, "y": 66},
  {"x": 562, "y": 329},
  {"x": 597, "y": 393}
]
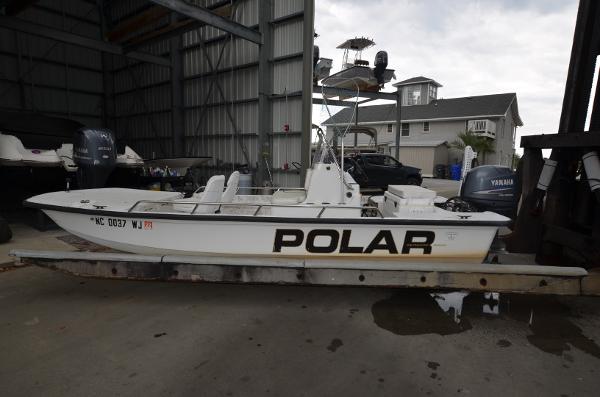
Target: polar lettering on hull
[{"x": 327, "y": 241}]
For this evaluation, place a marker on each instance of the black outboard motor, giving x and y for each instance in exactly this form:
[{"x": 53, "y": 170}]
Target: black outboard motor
[
  {"x": 381, "y": 63},
  {"x": 491, "y": 188},
  {"x": 95, "y": 154},
  {"x": 316, "y": 55}
]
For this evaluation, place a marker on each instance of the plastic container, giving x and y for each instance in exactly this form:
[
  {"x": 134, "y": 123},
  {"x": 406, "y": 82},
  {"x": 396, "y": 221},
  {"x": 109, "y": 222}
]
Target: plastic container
[{"x": 455, "y": 170}]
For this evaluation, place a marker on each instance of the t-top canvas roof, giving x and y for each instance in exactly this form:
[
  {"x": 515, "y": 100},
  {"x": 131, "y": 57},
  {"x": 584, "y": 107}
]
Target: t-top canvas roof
[{"x": 357, "y": 43}]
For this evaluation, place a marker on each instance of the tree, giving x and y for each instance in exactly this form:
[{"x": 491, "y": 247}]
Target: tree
[
  {"x": 515, "y": 160},
  {"x": 479, "y": 144}
]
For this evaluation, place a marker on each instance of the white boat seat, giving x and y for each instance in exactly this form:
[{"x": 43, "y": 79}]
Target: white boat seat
[
  {"x": 232, "y": 187},
  {"x": 212, "y": 194},
  {"x": 288, "y": 197}
]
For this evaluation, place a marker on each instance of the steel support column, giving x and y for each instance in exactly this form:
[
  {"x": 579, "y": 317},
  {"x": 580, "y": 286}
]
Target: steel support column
[
  {"x": 265, "y": 89},
  {"x": 398, "y": 121},
  {"x": 22, "y": 96},
  {"x": 308, "y": 35},
  {"x": 177, "y": 127},
  {"x": 108, "y": 83}
]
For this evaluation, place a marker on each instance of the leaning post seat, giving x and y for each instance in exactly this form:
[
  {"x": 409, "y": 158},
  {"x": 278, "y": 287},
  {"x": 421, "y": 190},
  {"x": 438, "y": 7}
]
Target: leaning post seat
[
  {"x": 212, "y": 194},
  {"x": 232, "y": 186}
]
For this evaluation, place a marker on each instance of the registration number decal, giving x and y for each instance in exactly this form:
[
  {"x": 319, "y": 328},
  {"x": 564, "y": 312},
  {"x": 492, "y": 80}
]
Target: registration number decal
[{"x": 119, "y": 223}]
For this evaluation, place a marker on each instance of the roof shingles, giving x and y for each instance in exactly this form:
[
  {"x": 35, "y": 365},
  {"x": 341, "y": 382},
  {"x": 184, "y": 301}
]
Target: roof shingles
[
  {"x": 467, "y": 107},
  {"x": 415, "y": 80}
]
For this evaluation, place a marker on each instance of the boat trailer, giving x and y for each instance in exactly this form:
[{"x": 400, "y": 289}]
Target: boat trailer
[{"x": 514, "y": 273}]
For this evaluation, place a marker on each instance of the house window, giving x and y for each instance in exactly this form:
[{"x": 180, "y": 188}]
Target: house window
[
  {"x": 414, "y": 95},
  {"x": 426, "y": 126},
  {"x": 390, "y": 128},
  {"x": 405, "y": 129},
  {"x": 432, "y": 91}
]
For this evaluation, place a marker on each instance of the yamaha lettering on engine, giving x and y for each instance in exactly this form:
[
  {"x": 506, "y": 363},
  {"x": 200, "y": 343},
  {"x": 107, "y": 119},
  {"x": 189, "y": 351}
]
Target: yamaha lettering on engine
[
  {"x": 491, "y": 188},
  {"x": 95, "y": 155}
]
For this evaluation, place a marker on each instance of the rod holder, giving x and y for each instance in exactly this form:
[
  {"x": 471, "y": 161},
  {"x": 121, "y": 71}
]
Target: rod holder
[
  {"x": 547, "y": 174},
  {"x": 591, "y": 164}
]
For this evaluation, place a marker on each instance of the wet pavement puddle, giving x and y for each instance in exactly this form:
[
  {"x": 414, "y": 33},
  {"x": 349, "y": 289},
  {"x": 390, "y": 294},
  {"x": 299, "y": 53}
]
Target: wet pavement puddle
[{"x": 417, "y": 312}]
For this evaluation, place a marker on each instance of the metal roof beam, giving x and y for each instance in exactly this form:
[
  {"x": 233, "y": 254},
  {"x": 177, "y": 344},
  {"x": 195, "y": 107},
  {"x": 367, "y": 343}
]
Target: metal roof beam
[
  {"x": 204, "y": 15},
  {"x": 70, "y": 38},
  {"x": 332, "y": 102},
  {"x": 16, "y": 6},
  {"x": 136, "y": 23},
  {"x": 176, "y": 27},
  {"x": 333, "y": 91},
  {"x": 366, "y": 100}
]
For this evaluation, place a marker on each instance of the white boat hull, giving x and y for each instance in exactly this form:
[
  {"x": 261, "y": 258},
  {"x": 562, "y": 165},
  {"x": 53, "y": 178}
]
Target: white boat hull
[
  {"x": 378, "y": 239},
  {"x": 358, "y": 76},
  {"x": 323, "y": 220}
]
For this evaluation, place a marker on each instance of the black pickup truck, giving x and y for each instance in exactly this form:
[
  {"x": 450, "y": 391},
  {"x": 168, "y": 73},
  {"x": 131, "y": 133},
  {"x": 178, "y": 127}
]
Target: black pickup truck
[{"x": 374, "y": 170}]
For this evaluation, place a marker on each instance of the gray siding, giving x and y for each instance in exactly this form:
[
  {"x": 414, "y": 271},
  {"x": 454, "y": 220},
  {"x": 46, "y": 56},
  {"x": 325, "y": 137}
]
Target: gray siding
[
  {"x": 441, "y": 131},
  {"x": 438, "y": 130},
  {"x": 505, "y": 145}
]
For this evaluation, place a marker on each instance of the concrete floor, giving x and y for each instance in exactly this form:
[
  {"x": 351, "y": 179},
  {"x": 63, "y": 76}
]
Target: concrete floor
[
  {"x": 63, "y": 335},
  {"x": 444, "y": 187},
  {"x": 26, "y": 237}
]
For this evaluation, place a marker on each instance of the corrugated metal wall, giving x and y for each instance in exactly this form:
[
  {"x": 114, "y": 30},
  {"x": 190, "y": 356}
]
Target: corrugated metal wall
[
  {"x": 220, "y": 93},
  {"x": 42, "y": 75},
  {"x": 141, "y": 91},
  {"x": 220, "y": 87}
]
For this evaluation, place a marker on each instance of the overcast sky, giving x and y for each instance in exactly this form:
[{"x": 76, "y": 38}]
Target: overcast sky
[{"x": 471, "y": 47}]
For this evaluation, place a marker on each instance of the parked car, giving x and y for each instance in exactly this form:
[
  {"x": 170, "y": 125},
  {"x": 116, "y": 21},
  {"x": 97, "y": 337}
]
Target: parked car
[{"x": 374, "y": 170}]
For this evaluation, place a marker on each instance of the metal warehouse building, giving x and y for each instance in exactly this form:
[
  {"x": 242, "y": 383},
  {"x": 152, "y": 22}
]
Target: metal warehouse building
[{"x": 170, "y": 77}]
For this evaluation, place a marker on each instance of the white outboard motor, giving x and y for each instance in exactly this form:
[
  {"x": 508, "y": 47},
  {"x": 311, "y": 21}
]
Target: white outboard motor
[
  {"x": 381, "y": 63},
  {"x": 95, "y": 154}
]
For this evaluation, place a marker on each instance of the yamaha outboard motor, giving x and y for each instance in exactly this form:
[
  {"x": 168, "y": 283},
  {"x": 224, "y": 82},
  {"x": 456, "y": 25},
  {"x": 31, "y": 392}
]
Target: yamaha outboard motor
[
  {"x": 491, "y": 188},
  {"x": 381, "y": 63},
  {"x": 95, "y": 154}
]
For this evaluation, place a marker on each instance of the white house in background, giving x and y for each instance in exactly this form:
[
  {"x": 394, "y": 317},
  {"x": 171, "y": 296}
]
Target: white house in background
[{"x": 430, "y": 124}]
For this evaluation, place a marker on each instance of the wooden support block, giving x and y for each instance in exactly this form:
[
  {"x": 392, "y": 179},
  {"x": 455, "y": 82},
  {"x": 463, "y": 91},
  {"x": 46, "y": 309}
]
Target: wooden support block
[
  {"x": 590, "y": 285},
  {"x": 493, "y": 278}
]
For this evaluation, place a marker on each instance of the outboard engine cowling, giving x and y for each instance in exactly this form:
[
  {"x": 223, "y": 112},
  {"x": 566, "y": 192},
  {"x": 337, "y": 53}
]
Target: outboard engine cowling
[
  {"x": 95, "y": 154},
  {"x": 491, "y": 188},
  {"x": 381, "y": 63}
]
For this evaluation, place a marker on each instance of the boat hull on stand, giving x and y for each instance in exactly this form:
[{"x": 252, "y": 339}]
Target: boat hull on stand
[{"x": 260, "y": 236}]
